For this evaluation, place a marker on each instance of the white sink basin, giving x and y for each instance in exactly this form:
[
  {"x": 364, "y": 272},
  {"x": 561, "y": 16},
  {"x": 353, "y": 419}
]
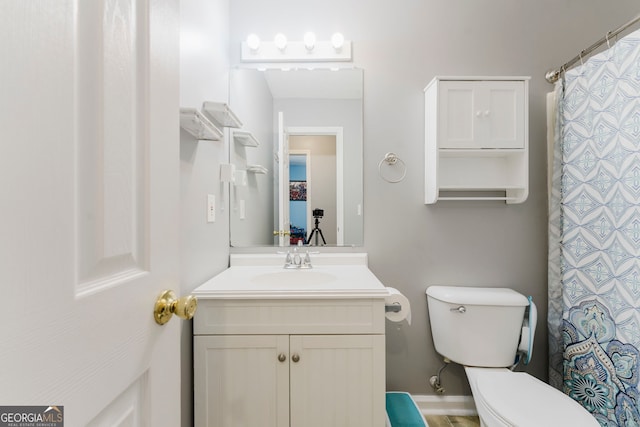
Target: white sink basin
[
  {"x": 260, "y": 276},
  {"x": 289, "y": 278}
]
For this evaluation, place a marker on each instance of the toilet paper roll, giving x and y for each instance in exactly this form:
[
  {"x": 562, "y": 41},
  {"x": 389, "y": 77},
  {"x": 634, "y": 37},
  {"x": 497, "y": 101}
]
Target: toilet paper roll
[{"x": 395, "y": 298}]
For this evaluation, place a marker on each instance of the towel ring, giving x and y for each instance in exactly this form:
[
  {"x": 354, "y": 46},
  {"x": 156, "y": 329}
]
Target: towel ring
[{"x": 391, "y": 159}]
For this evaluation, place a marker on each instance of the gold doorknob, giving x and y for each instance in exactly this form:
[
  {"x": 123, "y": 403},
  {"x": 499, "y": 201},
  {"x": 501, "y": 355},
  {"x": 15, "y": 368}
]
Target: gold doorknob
[{"x": 168, "y": 304}]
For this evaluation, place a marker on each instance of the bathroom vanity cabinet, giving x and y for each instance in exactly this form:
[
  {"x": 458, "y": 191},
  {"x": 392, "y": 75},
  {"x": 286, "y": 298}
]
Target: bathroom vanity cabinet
[
  {"x": 289, "y": 363},
  {"x": 283, "y": 358},
  {"x": 476, "y": 139}
]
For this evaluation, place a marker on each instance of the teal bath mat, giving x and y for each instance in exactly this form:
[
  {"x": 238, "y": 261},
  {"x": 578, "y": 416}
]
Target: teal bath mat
[{"x": 402, "y": 411}]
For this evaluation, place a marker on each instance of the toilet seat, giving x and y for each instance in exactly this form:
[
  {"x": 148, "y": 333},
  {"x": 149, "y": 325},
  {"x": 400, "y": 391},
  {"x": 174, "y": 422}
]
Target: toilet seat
[{"x": 507, "y": 398}]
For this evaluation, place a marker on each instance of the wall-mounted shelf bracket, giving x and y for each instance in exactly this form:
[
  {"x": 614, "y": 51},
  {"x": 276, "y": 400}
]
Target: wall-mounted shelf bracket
[
  {"x": 221, "y": 114},
  {"x": 245, "y": 138},
  {"x": 194, "y": 122}
]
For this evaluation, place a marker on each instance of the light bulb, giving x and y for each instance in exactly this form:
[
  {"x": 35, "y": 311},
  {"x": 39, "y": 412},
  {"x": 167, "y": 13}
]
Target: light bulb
[
  {"x": 253, "y": 42},
  {"x": 337, "y": 41},
  {"x": 309, "y": 40},
  {"x": 280, "y": 41}
]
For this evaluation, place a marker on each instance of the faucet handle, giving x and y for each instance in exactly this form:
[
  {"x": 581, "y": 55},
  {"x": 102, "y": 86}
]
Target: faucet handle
[
  {"x": 306, "y": 262},
  {"x": 297, "y": 260}
]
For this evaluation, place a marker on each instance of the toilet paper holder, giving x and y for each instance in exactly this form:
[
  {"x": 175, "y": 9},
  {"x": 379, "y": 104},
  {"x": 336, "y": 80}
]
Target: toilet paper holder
[{"x": 394, "y": 308}]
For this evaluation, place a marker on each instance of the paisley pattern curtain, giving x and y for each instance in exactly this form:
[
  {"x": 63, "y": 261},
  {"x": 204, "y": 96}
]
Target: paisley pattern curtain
[{"x": 594, "y": 236}]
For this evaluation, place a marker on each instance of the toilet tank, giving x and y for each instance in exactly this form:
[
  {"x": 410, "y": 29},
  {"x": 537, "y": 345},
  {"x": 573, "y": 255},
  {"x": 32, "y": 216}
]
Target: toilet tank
[{"x": 476, "y": 326}]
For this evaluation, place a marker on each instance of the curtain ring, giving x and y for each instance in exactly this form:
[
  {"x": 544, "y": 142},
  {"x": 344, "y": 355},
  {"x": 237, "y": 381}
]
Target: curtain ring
[
  {"x": 581, "y": 53},
  {"x": 606, "y": 37},
  {"x": 392, "y": 159}
]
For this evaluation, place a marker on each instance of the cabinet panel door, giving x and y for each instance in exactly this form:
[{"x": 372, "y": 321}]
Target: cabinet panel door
[
  {"x": 338, "y": 381},
  {"x": 240, "y": 382},
  {"x": 456, "y": 112},
  {"x": 502, "y": 115},
  {"x": 481, "y": 114}
]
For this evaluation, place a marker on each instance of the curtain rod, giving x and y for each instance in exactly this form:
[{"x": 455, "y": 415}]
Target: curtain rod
[{"x": 552, "y": 76}]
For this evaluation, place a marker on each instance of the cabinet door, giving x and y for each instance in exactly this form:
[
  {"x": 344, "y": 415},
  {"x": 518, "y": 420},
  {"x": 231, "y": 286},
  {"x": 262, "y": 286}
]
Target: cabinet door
[
  {"x": 456, "y": 114},
  {"x": 239, "y": 380},
  {"x": 501, "y": 114},
  {"x": 337, "y": 381},
  {"x": 481, "y": 114}
]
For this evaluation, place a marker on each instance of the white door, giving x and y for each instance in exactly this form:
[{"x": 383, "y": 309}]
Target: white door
[
  {"x": 283, "y": 180},
  {"x": 89, "y": 208}
]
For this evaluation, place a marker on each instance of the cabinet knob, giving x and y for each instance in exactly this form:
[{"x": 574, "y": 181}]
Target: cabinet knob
[
  {"x": 282, "y": 357},
  {"x": 487, "y": 113},
  {"x": 478, "y": 113},
  {"x": 295, "y": 357}
]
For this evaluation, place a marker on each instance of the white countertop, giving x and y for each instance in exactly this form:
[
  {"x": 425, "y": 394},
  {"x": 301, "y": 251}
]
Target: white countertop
[{"x": 331, "y": 277}]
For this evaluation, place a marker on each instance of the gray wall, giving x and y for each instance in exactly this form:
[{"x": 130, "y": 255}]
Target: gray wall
[
  {"x": 204, "y": 76},
  {"x": 251, "y": 100},
  {"x": 401, "y": 46}
]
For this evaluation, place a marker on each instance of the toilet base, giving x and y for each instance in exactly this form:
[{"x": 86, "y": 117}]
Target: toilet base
[{"x": 505, "y": 399}]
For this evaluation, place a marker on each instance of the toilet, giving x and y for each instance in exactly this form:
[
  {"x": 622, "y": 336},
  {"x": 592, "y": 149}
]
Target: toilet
[{"x": 488, "y": 330}]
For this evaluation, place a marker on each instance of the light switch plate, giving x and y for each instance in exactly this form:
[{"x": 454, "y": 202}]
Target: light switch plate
[
  {"x": 242, "y": 210},
  {"x": 211, "y": 208}
]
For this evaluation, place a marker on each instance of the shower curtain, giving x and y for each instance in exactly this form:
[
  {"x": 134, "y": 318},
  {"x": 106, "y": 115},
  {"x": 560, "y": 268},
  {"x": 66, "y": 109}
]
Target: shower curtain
[{"x": 594, "y": 234}]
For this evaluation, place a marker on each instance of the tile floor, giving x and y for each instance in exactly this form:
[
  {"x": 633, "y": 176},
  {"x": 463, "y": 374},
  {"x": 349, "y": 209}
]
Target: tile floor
[{"x": 452, "y": 421}]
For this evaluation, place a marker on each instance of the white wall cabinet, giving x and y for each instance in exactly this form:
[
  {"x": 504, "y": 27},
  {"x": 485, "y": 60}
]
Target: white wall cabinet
[
  {"x": 281, "y": 363},
  {"x": 476, "y": 139}
]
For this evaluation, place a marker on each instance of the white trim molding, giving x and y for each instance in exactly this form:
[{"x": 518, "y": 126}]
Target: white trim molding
[{"x": 445, "y": 405}]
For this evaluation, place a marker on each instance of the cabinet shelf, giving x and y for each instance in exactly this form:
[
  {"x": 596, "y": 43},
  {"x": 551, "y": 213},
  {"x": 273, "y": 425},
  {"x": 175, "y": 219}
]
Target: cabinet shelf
[
  {"x": 506, "y": 194},
  {"x": 479, "y": 152},
  {"x": 194, "y": 122},
  {"x": 479, "y": 188},
  {"x": 459, "y": 198},
  {"x": 245, "y": 138},
  {"x": 221, "y": 114},
  {"x": 258, "y": 169}
]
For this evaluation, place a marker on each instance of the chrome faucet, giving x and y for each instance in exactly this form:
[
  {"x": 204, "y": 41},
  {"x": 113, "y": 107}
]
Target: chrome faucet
[{"x": 297, "y": 260}]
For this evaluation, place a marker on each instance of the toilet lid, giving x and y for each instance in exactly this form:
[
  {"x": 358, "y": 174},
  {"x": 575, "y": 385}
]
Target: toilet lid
[{"x": 522, "y": 400}]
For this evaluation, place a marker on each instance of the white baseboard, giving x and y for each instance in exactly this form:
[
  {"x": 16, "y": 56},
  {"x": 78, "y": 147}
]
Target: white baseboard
[{"x": 445, "y": 405}]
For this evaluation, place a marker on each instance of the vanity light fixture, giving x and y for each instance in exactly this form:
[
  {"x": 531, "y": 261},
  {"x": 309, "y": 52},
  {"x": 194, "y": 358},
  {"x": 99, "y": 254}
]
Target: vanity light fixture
[
  {"x": 253, "y": 42},
  {"x": 309, "y": 40},
  {"x": 310, "y": 49},
  {"x": 280, "y": 40},
  {"x": 337, "y": 41}
]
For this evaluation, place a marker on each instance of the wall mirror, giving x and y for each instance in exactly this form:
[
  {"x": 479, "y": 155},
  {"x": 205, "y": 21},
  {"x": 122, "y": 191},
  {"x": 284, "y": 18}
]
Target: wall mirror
[{"x": 297, "y": 157}]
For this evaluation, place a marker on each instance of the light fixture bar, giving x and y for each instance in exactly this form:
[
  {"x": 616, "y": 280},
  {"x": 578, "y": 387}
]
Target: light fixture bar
[{"x": 295, "y": 51}]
